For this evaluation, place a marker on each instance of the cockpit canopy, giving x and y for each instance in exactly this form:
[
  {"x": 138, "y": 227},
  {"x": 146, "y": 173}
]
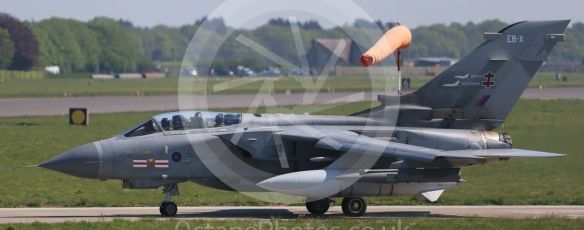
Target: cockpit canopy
[
  {"x": 145, "y": 129},
  {"x": 196, "y": 120},
  {"x": 185, "y": 121}
]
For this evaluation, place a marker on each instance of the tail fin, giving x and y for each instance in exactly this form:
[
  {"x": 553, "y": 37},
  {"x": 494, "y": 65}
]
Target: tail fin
[{"x": 480, "y": 90}]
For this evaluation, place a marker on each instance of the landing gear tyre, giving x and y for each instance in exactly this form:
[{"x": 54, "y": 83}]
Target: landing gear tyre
[
  {"x": 168, "y": 209},
  {"x": 318, "y": 207},
  {"x": 354, "y": 206}
]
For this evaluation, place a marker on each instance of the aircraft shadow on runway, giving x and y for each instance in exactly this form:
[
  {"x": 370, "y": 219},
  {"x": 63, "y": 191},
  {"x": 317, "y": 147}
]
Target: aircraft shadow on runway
[{"x": 257, "y": 214}]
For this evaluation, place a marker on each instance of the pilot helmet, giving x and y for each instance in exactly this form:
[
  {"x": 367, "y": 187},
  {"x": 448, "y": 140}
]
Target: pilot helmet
[
  {"x": 165, "y": 123},
  {"x": 219, "y": 119}
]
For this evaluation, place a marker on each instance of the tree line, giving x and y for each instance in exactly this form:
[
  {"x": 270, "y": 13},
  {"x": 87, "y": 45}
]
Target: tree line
[{"x": 104, "y": 45}]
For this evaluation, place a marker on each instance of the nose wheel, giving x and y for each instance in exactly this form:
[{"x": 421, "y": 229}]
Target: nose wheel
[
  {"x": 354, "y": 206},
  {"x": 167, "y": 207}
]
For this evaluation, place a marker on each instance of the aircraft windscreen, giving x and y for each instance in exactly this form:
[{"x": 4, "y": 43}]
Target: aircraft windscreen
[
  {"x": 145, "y": 129},
  {"x": 196, "y": 120}
]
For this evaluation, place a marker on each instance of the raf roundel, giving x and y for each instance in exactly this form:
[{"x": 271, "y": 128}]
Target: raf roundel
[{"x": 176, "y": 157}]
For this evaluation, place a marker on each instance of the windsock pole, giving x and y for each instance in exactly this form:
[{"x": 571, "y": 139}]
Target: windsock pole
[
  {"x": 399, "y": 84},
  {"x": 395, "y": 39}
]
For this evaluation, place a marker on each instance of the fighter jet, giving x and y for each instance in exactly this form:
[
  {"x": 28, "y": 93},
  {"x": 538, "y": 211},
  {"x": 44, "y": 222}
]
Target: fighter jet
[{"x": 410, "y": 145}]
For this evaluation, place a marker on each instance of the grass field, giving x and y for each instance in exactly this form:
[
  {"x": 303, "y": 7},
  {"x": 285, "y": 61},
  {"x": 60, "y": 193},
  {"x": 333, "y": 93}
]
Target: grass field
[
  {"x": 59, "y": 87},
  {"x": 321, "y": 224},
  {"x": 554, "y": 126}
]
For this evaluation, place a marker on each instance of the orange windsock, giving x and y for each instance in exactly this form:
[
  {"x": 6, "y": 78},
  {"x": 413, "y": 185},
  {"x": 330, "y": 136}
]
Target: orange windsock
[{"x": 396, "y": 38}]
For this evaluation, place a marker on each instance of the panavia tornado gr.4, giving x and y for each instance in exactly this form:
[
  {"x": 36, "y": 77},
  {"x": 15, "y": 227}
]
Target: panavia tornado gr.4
[{"x": 410, "y": 145}]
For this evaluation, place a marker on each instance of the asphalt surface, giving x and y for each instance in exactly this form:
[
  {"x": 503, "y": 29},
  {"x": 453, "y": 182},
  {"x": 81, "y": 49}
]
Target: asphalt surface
[
  {"x": 554, "y": 93},
  {"x": 57, "y": 215},
  {"x": 14, "y": 107}
]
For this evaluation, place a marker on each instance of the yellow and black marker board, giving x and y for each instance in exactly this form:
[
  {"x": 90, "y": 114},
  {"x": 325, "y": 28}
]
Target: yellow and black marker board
[{"x": 78, "y": 116}]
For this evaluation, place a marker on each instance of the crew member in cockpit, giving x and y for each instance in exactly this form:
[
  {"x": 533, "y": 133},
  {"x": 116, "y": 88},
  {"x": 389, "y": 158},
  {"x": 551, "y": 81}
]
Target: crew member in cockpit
[
  {"x": 165, "y": 123},
  {"x": 197, "y": 121},
  {"x": 219, "y": 120}
]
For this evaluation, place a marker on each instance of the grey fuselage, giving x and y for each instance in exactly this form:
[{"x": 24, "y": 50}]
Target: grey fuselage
[{"x": 257, "y": 155}]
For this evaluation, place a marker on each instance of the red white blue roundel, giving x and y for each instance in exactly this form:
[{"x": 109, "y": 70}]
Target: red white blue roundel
[{"x": 176, "y": 156}]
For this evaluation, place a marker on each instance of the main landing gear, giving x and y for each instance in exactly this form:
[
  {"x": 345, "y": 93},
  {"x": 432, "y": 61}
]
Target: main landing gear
[
  {"x": 167, "y": 207},
  {"x": 318, "y": 207},
  {"x": 352, "y": 206}
]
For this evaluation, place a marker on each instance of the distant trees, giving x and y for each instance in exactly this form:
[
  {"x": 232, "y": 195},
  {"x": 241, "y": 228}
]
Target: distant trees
[
  {"x": 308, "y": 25},
  {"x": 67, "y": 43},
  {"x": 24, "y": 43},
  {"x": 439, "y": 40},
  {"x": 163, "y": 43},
  {"x": 120, "y": 51},
  {"x": 108, "y": 45},
  {"x": 571, "y": 50},
  {"x": 6, "y": 49},
  {"x": 100, "y": 45}
]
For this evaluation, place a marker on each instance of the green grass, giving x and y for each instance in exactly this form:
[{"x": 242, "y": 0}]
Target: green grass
[
  {"x": 548, "y": 80},
  {"x": 59, "y": 87},
  {"x": 554, "y": 126},
  {"x": 309, "y": 223}
]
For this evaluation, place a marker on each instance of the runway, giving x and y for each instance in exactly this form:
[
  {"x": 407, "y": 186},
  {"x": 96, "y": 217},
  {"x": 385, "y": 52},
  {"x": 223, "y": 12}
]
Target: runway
[
  {"x": 57, "y": 215},
  {"x": 15, "y": 107}
]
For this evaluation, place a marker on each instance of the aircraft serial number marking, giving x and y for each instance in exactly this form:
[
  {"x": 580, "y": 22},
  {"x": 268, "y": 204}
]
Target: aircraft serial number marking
[{"x": 512, "y": 38}]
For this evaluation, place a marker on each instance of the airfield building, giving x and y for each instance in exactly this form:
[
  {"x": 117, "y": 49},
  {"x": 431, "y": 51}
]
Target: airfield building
[{"x": 345, "y": 50}]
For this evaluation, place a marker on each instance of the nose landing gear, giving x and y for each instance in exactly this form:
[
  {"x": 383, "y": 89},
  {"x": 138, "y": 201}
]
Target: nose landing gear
[{"x": 167, "y": 207}]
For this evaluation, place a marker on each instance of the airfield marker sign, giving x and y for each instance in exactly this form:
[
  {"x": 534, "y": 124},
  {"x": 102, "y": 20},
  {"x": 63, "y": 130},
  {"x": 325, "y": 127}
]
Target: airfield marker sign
[{"x": 78, "y": 116}]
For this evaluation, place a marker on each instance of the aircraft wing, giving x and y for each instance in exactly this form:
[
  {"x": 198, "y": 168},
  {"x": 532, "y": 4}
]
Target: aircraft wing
[
  {"x": 353, "y": 143},
  {"x": 356, "y": 145},
  {"x": 506, "y": 153},
  {"x": 366, "y": 145}
]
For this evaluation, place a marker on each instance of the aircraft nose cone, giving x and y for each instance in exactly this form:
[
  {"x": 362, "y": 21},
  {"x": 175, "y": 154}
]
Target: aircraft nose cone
[{"x": 82, "y": 161}]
